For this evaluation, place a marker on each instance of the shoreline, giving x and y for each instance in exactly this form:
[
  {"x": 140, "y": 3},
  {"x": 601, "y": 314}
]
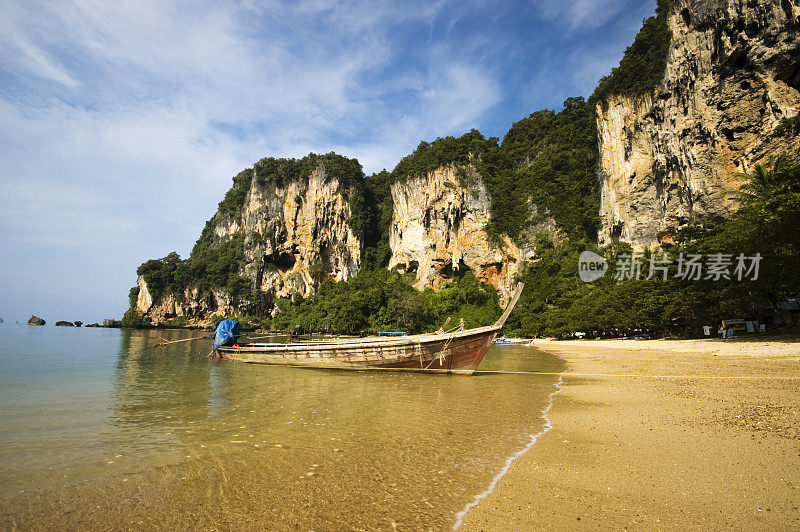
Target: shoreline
[
  {"x": 660, "y": 433},
  {"x": 460, "y": 516}
]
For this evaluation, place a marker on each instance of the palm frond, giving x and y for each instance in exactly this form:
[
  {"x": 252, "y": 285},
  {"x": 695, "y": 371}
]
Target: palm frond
[{"x": 759, "y": 184}]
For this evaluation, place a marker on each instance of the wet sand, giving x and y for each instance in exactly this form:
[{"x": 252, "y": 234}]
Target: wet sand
[{"x": 661, "y": 434}]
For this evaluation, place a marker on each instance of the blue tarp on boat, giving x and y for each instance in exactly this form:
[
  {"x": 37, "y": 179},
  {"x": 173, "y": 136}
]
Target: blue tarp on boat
[{"x": 226, "y": 333}]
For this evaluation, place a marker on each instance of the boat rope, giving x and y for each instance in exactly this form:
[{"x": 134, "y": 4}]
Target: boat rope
[
  {"x": 637, "y": 376},
  {"x": 163, "y": 342},
  {"x": 460, "y": 327},
  {"x": 440, "y": 354}
]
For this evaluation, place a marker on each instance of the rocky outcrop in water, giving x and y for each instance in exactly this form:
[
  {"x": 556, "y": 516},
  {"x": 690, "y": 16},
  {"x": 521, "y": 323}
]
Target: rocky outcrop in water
[
  {"x": 666, "y": 158},
  {"x": 64, "y": 324},
  {"x": 36, "y": 320}
]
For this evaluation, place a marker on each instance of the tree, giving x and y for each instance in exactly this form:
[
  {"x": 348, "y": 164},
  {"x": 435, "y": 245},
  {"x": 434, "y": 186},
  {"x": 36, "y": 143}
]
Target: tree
[{"x": 762, "y": 183}]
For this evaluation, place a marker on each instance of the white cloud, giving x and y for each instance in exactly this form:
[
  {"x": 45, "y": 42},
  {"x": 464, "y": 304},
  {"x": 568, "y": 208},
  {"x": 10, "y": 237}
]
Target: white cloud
[
  {"x": 22, "y": 56},
  {"x": 579, "y": 14},
  {"x": 459, "y": 95}
]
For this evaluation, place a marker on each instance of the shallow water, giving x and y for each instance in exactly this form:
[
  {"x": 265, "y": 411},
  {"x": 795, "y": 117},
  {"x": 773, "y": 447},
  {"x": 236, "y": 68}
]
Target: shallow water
[{"x": 100, "y": 428}]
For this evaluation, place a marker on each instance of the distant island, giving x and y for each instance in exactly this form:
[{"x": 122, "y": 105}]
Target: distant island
[{"x": 107, "y": 323}]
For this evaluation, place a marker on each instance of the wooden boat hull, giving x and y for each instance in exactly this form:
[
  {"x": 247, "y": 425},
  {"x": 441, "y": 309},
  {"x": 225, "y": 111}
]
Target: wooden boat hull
[{"x": 457, "y": 353}]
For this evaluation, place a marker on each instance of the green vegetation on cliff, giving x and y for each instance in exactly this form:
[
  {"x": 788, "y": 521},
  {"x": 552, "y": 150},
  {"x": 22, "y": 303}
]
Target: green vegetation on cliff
[
  {"x": 789, "y": 127},
  {"x": 556, "y": 301},
  {"x": 470, "y": 148},
  {"x": 237, "y": 194},
  {"x": 642, "y": 67},
  {"x": 373, "y": 207},
  {"x": 215, "y": 267},
  {"x": 208, "y": 267},
  {"x": 160, "y": 275},
  {"x": 555, "y": 155}
]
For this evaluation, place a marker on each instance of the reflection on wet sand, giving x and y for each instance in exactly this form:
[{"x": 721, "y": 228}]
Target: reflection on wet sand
[{"x": 221, "y": 444}]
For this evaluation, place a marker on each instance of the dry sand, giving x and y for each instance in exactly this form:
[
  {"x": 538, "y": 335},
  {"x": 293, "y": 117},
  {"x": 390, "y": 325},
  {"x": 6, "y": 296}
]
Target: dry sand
[{"x": 661, "y": 435}]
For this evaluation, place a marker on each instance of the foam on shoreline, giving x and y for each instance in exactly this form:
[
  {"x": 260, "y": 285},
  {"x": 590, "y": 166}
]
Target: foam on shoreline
[{"x": 510, "y": 460}]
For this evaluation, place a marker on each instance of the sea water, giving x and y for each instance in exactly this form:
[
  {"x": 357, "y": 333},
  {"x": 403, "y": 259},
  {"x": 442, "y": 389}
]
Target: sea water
[{"x": 101, "y": 428}]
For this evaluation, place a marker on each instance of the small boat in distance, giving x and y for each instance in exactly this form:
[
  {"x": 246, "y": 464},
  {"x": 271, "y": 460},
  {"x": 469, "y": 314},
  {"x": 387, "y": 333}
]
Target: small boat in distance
[
  {"x": 457, "y": 352},
  {"x": 512, "y": 341}
]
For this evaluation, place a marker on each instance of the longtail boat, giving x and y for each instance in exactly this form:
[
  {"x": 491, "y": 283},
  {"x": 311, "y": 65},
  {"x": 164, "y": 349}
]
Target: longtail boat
[{"x": 457, "y": 352}]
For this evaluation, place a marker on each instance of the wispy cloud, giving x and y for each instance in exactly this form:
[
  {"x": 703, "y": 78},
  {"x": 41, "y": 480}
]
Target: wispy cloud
[
  {"x": 21, "y": 55},
  {"x": 580, "y": 14}
]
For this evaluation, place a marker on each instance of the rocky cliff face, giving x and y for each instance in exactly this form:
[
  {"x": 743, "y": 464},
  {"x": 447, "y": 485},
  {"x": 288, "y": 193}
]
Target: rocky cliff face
[
  {"x": 439, "y": 230},
  {"x": 295, "y": 234},
  {"x": 192, "y": 304},
  {"x": 733, "y": 73}
]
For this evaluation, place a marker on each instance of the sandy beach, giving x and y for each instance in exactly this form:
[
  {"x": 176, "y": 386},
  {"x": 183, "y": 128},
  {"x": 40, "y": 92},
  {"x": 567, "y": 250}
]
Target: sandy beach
[{"x": 661, "y": 434}]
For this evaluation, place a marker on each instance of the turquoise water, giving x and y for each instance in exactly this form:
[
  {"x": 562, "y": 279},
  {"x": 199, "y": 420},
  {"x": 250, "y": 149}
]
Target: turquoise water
[{"x": 102, "y": 428}]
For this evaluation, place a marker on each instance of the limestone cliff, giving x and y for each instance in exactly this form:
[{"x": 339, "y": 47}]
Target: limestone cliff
[
  {"x": 191, "y": 304},
  {"x": 666, "y": 158},
  {"x": 290, "y": 230},
  {"x": 439, "y": 230},
  {"x": 293, "y": 234}
]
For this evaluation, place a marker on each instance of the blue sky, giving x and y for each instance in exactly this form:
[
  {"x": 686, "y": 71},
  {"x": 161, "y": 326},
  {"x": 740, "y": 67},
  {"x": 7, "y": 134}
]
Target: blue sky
[{"x": 122, "y": 123}]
